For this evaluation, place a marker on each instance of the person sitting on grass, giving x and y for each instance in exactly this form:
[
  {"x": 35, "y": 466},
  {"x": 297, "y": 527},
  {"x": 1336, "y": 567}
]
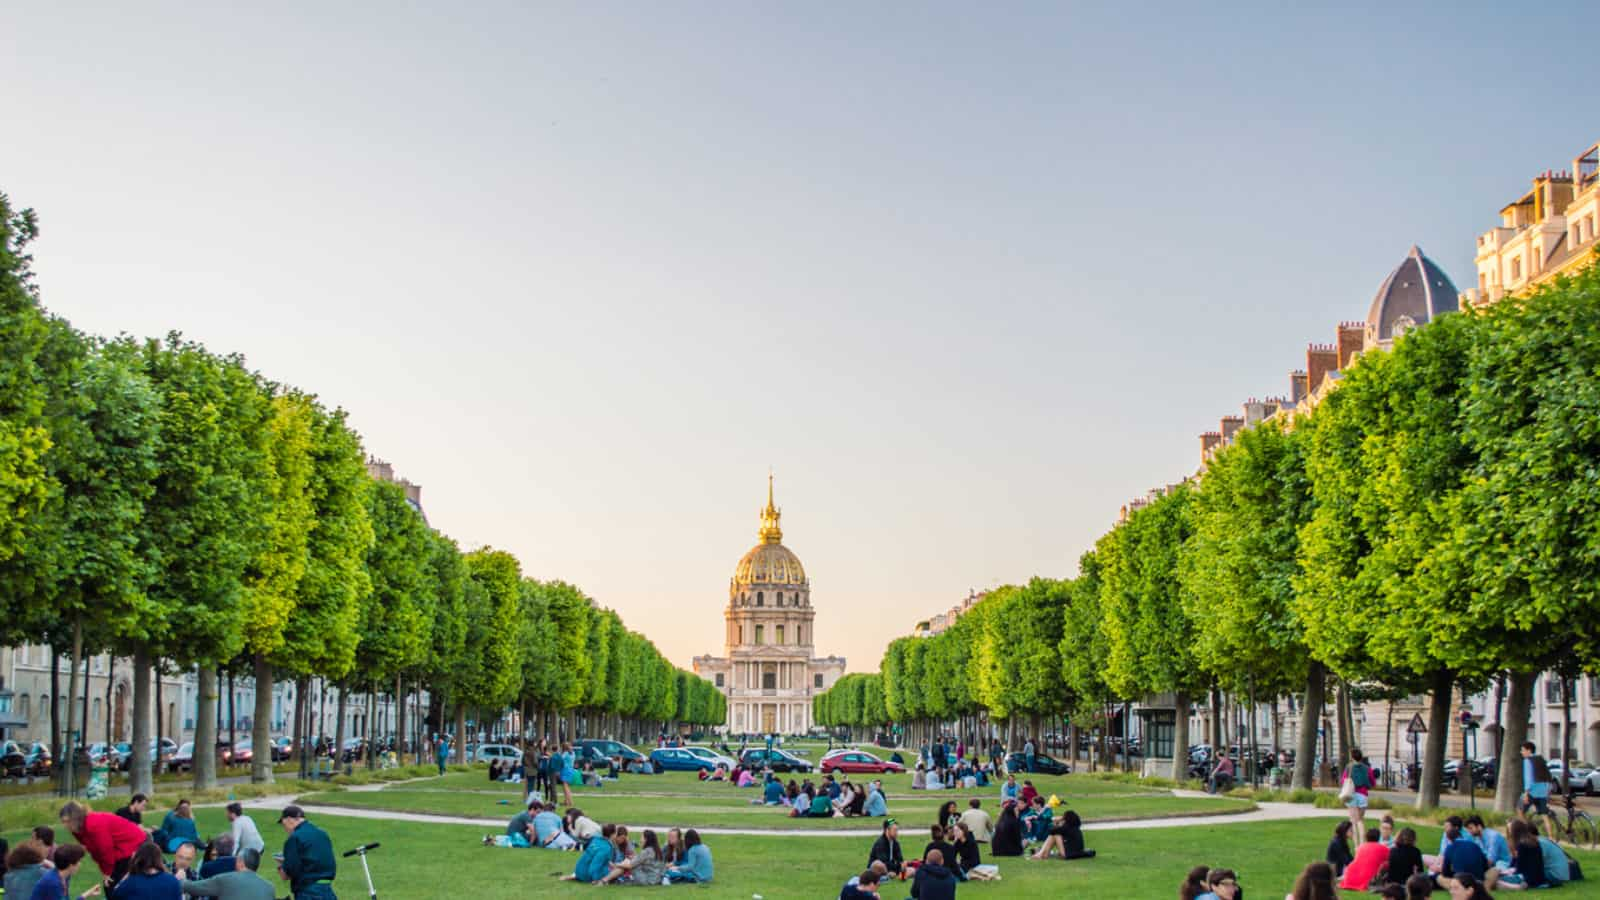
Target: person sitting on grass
[
  {"x": 919, "y": 777},
  {"x": 934, "y": 880},
  {"x": 876, "y": 807},
  {"x": 178, "y": 828},
  {"x": 1195, "y": 886},
  {"x": 935, "y": 779},
  {"x": 1370, "y": 857},
  {"x": 1315, "y": 882},
  {"x": 696, "y": 867},
  {"x": 647, "y": 867},
  {"x": 146, "y": 879},
  {"x": 548, "y": 833},
  {"x": 1528, "y": 870},
  {"x": 1557, "y": 868},
  {"x": 886, "y": 850},
  {"x": 1036, "y": 821},
  {"x": 847, "y": 795},
  {"x": 1026, "y": 795},
  {"x": 183, "y": 862},
  {"x": 744, "y": 778},
  {"x": 820, "y": 807},
  {"x": 937, "y": 842},
  {"x": 24, "y": 867},
  {"x": 219, "y": 856},
  {"x": 243, "y": 883},
  {"x": 1065, "y": 838},
  {"x": 1405, "y": 860},
  {"x": 1468, "y": 887},
  {"x": 1010, "y": 790},
  {"x": 977, "y": 821},
  {"x": 1339, "y": 854},
  {"x": 519, "y": 830},
  {"x": 56, "y": 879},
  {"x": 1386, "y": 831},
  {"x": 1223, "y": 884},
  {"x": 1007, "y": 837},
  {"x": 1461, "y": 855},
  {"x": 1419, "y": 887},
  {"x": 861, "y": 886},
  {"x": 594, "y": 863},
  {"x": 772, "y": 791},
  {"x": 581, "y": 827},
  {"x": 1491, "y": 842}
]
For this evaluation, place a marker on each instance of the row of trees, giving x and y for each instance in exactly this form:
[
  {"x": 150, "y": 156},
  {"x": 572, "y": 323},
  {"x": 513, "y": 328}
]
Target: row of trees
[
  {"x": 164, "y": 502},
  {"x": 1432, "y": 525}
]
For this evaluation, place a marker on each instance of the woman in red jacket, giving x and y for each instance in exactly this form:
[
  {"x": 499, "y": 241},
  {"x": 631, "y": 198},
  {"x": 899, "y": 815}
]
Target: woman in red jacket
[{"x": 109, "y": 838}]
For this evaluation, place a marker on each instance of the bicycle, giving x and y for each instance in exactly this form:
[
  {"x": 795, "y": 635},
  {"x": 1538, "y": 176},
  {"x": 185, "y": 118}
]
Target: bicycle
[{"x": 1577, "y": 828}]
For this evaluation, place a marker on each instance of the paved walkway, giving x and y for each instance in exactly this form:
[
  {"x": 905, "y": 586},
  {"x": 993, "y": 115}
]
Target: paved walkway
[{"x": 1265, "y": 812}]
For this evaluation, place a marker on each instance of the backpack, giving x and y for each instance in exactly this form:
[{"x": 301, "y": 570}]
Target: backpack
[{"x": 1361, "y": 774}]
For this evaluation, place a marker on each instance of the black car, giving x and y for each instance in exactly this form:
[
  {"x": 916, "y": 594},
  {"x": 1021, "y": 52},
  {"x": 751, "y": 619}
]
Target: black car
[
  {"x": 13, "y": 760},
  {"x": 38, "y": 760},
  {"x": 775, "y": 759},
  {"x": 1042, "y": 764}
]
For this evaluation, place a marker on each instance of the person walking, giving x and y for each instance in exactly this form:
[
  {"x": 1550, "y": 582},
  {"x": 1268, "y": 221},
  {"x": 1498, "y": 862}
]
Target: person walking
[
  {"x": 1030, "y": 757},
  {"x": 1355, "y": 784},
  {"x": 1535, "y": 780},
  {"x": 308, "y": 864},
  {"x": 441, "y": 751}
]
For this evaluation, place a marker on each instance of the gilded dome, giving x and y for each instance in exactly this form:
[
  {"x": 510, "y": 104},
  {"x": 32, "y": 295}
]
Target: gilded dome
[{"x": 771, "y": 564}]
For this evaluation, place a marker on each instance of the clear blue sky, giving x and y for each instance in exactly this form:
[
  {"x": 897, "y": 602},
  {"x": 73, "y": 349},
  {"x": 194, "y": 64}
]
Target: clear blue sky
[{"x": 967, "y": 276}]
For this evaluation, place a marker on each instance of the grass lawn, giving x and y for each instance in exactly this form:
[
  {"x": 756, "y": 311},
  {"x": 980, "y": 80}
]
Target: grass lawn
[
  {"x": 429, "y": 862},
  {"x": 680, "y": 797}
]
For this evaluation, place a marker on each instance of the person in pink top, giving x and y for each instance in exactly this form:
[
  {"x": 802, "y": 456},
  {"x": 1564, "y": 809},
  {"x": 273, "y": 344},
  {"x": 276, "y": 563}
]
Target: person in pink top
[{"x": 1370, "y": 857}]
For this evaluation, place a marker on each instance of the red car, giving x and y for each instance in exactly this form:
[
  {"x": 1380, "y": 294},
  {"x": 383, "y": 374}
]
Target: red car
[{"x": 857, "y": 761}]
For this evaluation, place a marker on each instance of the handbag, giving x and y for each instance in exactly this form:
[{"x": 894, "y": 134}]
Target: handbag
[{"x": 1348, "y": 789}]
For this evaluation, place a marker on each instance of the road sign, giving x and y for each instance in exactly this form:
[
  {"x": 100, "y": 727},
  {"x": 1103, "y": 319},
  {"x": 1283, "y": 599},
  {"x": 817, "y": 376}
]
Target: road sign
[{"x": 1416, "y": 726}]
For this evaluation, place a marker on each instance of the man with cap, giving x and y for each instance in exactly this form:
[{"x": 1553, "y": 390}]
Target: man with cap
[
  {"x": 308, "y": 863},
  {"x": 241, "y": 884}
]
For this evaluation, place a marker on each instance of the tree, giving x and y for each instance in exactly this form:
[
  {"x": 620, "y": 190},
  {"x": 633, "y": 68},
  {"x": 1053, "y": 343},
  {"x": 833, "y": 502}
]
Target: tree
[
  {"x": 1084, "y": 648},
  {"x": 24, "y": 437},
  {"x": 1239, "y": 569},
  {"x": 492, "y": 679},
  {"x": 1150, "y": 639},
  {"x": 1525, "y": 539},
  {"x": 201, "y": 522},
  {"x": 1386, "y": 462},
  {"x": 394, "y": 635}
]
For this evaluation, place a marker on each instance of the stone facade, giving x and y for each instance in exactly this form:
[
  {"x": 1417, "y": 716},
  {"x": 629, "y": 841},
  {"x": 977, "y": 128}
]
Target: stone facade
[{"x": 768, "y": 671}]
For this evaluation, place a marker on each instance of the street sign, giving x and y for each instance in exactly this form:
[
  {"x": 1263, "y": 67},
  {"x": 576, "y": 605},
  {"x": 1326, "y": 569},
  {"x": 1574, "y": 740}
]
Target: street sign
[{"x": 1416, "y": 726}]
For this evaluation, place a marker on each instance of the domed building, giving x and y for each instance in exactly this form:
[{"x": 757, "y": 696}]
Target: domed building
[
  {"x": 1414, "y": 294},
  {"x": 768, "y": 671}
]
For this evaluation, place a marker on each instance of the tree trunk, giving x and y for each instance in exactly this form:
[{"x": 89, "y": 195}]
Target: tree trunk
[
  {"x": 372, "y": 736},
  {"x": 338, "y": 730},
  {"x": 69, "y": 761},
  {"x": 1514, "y": 730},
  {"x": 1214, "y": 723},
  {"x": 1277, "y": 730},
  {"x": 261, "y": 726},
  {"x": 1305, "y": 753},
  {"x": 111, "y": 680},
  {"x": 1388, "y": 744},
  {"x": 1438, "y": 737},
  {"x": 461, "y": 734},
  {"x": 1566, "y": 730},
  {"x": 205, "y": 729},
  {"x": 400, "y": 736},
  {"x": 160, "y": 730},
  {"x": 233, "y": 711},
  {"x": 55, "y": 712},
  {"x": 1347, "y": 735},
  {"x": 140, "y": 770},
  {"x": 302, "y": 711},
  {"x": 1180, "y": 739}
]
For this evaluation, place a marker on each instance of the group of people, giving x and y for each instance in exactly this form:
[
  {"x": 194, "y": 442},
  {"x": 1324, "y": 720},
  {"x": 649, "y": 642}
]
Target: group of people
[
  {"x": 605, "y": 853},
  {"x": 830, "y": 799},
  {"x": 1469, "y": 851},
  {"x": 134, "y": 865}
]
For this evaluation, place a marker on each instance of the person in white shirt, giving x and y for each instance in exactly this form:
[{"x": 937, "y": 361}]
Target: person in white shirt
[{"x": 244, "y": 831}]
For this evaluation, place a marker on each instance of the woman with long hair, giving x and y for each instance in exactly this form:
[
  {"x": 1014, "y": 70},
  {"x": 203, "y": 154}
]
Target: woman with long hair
[
  {"x": 1316, "y": 880},
  {"x": 1339, "y": 853},
  {"x": 1195, "y": 884},
  {"x": 148, "y": 878},
  {"x": 948, "y": 813},
  {"x": 1065, "y": 838},
  {"x": 673, "y": 852},
  {"x": 1465, "y": 887}
]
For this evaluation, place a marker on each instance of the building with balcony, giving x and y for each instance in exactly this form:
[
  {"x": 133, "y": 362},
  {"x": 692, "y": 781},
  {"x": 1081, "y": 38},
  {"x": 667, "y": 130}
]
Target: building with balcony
[
  {"x": 1548, "y": 231},
  {"x": 769, "y": 673}
]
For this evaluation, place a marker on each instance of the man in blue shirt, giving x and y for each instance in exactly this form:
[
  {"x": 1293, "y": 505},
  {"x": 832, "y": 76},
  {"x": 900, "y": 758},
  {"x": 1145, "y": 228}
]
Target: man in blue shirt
[
  {"x": 1461, "y": 854},
  {"x": 772, "y": 793},
  {"x": 1491, "y": 842},
  {"x": 1535, "y": 780}
]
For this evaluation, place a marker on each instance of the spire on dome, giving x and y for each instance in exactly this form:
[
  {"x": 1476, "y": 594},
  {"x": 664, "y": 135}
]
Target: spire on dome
[{"x": 770, "y": 532}]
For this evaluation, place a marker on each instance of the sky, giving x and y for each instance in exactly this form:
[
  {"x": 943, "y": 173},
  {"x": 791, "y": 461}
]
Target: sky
[{"x": 965, "y": 277}]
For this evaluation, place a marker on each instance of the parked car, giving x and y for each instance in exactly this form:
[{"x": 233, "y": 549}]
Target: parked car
[
  {"x": 243, "y": 754},
  {"x": 183, "y": 760},
  {"x": 712, "y": 756},
  {"x": 159, "y": 757},
  {"x": 496, "y": 752},
  {"x": 107, "y": 752},
  {"x": 614, "y": 750},
  {"x": 38, "y": 760},
  {"x": 13, "y": 760},
  {"x": 679, "y": 759},
  {"x": 775, "y": 759},
  {"x": 858, "y": 761},
  {"x": 1582, "y": 779},
  {"x": 1042, "y": 764},
  {"x": 282, "y": 749}
]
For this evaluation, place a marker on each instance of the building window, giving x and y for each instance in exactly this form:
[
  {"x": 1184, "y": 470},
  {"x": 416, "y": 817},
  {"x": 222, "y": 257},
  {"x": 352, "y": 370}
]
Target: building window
[
  {"x": 760, "y": 599},
  {"x": 719, "y": 679},
  {"x": 769, "y": 681},
  {"x": 799, "y": 634},
  {"x": 760, "y": 629},
  {"x": 780, "y": 598},
  {"x": 1516, "y": 268},
  {"x": 780, "y": 634},
  {"x": 816, "y": 680},
  {"x": 22, "y": 706}
]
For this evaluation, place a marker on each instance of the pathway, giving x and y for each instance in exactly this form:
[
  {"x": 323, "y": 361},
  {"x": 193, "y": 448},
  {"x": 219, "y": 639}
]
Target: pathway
[{"x": 1265, "y": 812}]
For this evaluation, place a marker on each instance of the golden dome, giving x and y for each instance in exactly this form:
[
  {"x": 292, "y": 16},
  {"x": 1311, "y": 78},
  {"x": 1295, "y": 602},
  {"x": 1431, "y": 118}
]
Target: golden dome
[{"x": 770, "y": 564}]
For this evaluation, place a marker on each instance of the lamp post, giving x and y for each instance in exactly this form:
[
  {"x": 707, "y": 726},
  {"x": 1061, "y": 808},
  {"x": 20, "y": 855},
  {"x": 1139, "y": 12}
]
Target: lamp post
[{"x": 1469, "y": 742}]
